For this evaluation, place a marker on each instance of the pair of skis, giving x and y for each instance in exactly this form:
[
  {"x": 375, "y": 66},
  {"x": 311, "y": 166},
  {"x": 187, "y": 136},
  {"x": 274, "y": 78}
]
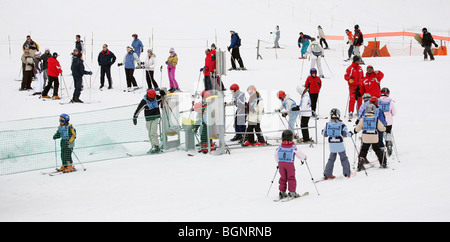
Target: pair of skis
[{"x": 287, "y": 199}]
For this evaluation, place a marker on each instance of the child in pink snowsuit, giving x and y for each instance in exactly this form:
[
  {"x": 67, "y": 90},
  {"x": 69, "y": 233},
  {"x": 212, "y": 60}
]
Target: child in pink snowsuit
[
  {"x": 285, "y": 156},
  {"x": 172, "y": 62}
]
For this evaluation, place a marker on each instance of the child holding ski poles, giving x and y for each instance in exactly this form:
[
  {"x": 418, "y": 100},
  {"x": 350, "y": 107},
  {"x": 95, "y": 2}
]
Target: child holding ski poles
[{"x": 67, "y": 133}]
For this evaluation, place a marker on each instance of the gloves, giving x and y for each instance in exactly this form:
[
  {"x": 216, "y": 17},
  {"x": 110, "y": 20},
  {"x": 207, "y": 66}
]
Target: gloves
[
  {"x": 162, "y": 93},
  {"x": 134, "y": 120},
  {"x": 277, "y": 110},
  {"x": 89, "y": 73},
  {"x": 120, "y": 64},
  {"x": 284, "y": 115},
  {"x": 435, "y": 45},
  {"x": 351, "y": 133},
  {"x": 201, "y": 69},
  {"x": 229, "y": 48},
  {"x": 357, "y": 93},
  {"x": 351, "y": 81}
]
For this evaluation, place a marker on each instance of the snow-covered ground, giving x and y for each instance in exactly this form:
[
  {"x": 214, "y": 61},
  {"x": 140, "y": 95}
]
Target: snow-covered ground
[{"x": 175, "y": 187}]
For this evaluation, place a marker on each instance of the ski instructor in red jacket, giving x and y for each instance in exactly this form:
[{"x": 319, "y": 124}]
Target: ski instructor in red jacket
[
  {"x": 354, "y": 76},
  {"x": 371, "y": 83}
]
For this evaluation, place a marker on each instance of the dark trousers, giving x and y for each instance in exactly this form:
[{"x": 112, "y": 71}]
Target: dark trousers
[
  {"x": 105, "y": 70},
  {"x": 376, "y": 148},
  {"x": 350, "y": 51},
  {"x": 257, "y": 129},
  {"x": 130, "y": 78},
  {"x": 207, "y": 82},
  {"x": 235, "y": 55},
  {"x": 26, "y": 80},
  {"x": 78, "y": 81},
  {"x": 323, "y": 41},
  {"x": 314, "y": 97},
  {"x": 304, "y": 125},
  {"x": 51, "y": 81},
  {"x": 427, "y": 51},
  {"x": 150, "y": 79}
]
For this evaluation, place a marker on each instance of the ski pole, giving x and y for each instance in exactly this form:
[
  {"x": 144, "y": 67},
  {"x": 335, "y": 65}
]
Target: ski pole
[
  {"x": 56, "y": 158},
  {"x": 346, "y": 107},
  {"x": 328, "y": 66},
  {"x": 301, "y": 74},
  {"x": 312, "y": 179},
  {"x": 395, "y": 147},
  {"x": 323, "y": 155},
  {"x": 272, "y": 181},
  {"x": 356, "y": 149},
  {"x": 67, "y": 90},
  {"x": 84, "y": 169}
]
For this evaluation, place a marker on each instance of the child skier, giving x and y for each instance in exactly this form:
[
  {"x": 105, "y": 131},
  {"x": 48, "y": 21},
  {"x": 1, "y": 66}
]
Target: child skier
[
  {"x": 387, "y": 106},
  {"x": 371, "y": 126},
  {"x": 286, "y": 109},
  {"x": 68, "y": 134},
  {"x": 255, "y": 110},
  {"x": 150, "y": 103},
  {"x": 285, "y": 156},
  {"x": 306, "y": 113},
  {"x": 239, "y": 101},
  {"x": 171, "y": 63},
  {"x": 336, "y": 130},
  {"x": 313, "y": 85}
]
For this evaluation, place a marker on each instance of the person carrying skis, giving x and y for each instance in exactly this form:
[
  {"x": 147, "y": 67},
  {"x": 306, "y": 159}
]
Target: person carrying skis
[
  {"x": 288, "y": 108},
  {"x": 255, "y": 110},
  {"x": 239, "y": 101},
  {"x": 54, "y": 70},
  {"x": 305, "y": 113},
  {"x": 371, "y": 82},
  {"x": 276, "y": 32},
  {"x": 285, "y": 156},
  {"x": 235, "y": 54},
  {"x": 303, "y": 43},
  {"x": 313, "y": 85},
  {"x": 370, "y": 126},
  {"x": 129, "y": 61},
  {"x": 137, "y": 45},
  {"x": 106, "y": 59},
  {"x": 322, "y": 37},
  {"x": 172, "y": 62},
  {"x": 336, "y": 131},
  {"x": 77, "y": 73},
  {"x": 67, "y": 133},
  {"x": 317, "y": 53},
  {"x": 427, "y": 41},
  {"x": 387, "y": 106},
  {"x": 149, "y": 64},
  {"x": 150, "y": 104},
  {"x": 354, "y": 76}
]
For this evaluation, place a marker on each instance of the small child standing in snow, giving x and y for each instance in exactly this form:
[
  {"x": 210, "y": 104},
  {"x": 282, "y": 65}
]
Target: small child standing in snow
[
  {"x": 387, "y": 106},
  {"x": 285, "y": 156},
  {"x": 68, "y": 134},
  {"x": 336, "y": 130}
]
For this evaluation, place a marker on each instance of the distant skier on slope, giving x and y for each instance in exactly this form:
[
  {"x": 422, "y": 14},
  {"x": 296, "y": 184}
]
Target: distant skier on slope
[
  {"x": 276, "y": 32},
  {"x": 427, "y": 41},
  {"x": 316, "y": 52},
  {"x": 358, "y": 41},
  {"x": 303, "y": 43}
]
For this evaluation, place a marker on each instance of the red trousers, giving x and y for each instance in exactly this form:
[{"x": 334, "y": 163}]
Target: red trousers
[{"x": 287, "y": 172}]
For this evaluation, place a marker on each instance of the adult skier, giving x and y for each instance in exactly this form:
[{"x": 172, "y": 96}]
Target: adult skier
[
  {"x": 285, "y": 156},
  {"x": 130, "y": 61},
  {"x": 39, "y": 73},
  {"x": 235, "y": 54},
  {"x": 387, "y": 106},
  {"x": 150, "y": 104},
  {"x": 32, "y": 46},
  {"x": 79, "y": 44},
  {"x": 239, "y": 101},
  {"x": 370, "y": 127},
  {"x": 358, "y": 41},
  {"x": 172, "y": 62},
  {"x": 255, "y": 110},
  {"x": 276, "y": 32},
  {"x": 54, "y": 70},
  {"x": 427, "y": 41},
  {"x": 371, "y": 82},
  {"x": 206, "y": 70},
  {"x": 137, "y": 45},
  {"x": 316, "y": 52},
  {"x": 354, "y": 76},
  {"x": 322, "y": 37},
  {"x": 67, "y": 133},
  {"x": 303, "y": 43},
  {"x": 78, "y": 71},
  {"x": 106, "y": 59},
  {"x": 336, "y": 131},
  {"x": 44, "y": 58},
  {"x": 350, "y": 40},
  {"x": 149, "y": 65},
  {"x": 27, "y": 69}
]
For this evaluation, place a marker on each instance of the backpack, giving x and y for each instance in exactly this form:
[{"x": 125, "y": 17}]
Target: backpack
[
  {"x": 238, "y": 40},
  {"x": 316, "y": 50}
]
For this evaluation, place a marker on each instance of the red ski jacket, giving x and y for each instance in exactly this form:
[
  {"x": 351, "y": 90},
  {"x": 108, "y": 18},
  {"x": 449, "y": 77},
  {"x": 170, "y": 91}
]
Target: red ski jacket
[
  {"x": 354, "y": 75},
  {"x": 372, "y": 84},
  {"x": 54, "y": 68},
  {"x": 313, "y": 84}
]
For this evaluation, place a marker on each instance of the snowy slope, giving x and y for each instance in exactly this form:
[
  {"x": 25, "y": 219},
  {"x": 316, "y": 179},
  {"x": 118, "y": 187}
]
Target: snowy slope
[{"x": 175, "y": 187}]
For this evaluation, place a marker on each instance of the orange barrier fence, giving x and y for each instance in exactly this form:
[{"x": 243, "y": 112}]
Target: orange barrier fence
[{"x": 388, "y": 34}]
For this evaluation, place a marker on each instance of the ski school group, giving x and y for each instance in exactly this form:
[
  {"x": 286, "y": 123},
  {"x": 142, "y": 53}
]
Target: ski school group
[{"x": 374, "y": 107}]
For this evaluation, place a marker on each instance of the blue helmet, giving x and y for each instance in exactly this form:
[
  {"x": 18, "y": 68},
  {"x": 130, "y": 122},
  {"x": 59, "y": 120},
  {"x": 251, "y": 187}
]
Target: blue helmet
[
  {"x": 313, "y": 70},
  {"x": 64, "y": 118}
]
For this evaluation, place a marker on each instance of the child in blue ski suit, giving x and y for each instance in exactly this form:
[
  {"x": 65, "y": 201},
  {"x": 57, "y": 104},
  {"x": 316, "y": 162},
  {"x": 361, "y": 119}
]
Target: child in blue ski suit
[{"x": 336, "y": 130}]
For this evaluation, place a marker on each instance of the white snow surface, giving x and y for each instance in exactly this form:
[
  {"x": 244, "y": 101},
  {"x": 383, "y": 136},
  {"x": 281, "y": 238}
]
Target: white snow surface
[{"x": 175, "y": 187}]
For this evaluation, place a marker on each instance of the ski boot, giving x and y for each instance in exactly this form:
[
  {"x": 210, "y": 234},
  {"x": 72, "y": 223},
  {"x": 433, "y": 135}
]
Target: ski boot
[
  {"x": 350, "y": 117},
  {"x": 282, "y": 195},
  {"x": 69, "y": 169},
  {"x": 62, "y": 169},
  {"x": 155, "y": 150},
  {"x": 56, "y": 98},
  {"x": 328, "y": 177},
  {"x": 389, "y": 147},
  {"x": 361, "y": 162},
  {"x": 293, "y": 195},
  {"x": 249, "y": 144}
]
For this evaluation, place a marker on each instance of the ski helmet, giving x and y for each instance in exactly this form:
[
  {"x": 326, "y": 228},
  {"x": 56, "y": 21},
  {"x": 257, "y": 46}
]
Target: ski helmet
[
  {"x": 131, "y": 48},
  {"x": 64, "y": 118},
  {"x": 385, "y": 91},
  {"x": 251, "y": 90},
  {"x": 234, "y": 87},
  {"x": 357, "y": 26},
  {"x": 374, "y": 101},
  {"x": 313, "y": 70},
  {"x": 151, "y": 93},
  {"x": 366, "y": 97},
  {"x": 371, "y": 109},
  {"x": 287, "y": 135},
  {"x": 281, "y": 95},
  {"x": 335, "y": 113},
  {"x": 135, "y": 35}
]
